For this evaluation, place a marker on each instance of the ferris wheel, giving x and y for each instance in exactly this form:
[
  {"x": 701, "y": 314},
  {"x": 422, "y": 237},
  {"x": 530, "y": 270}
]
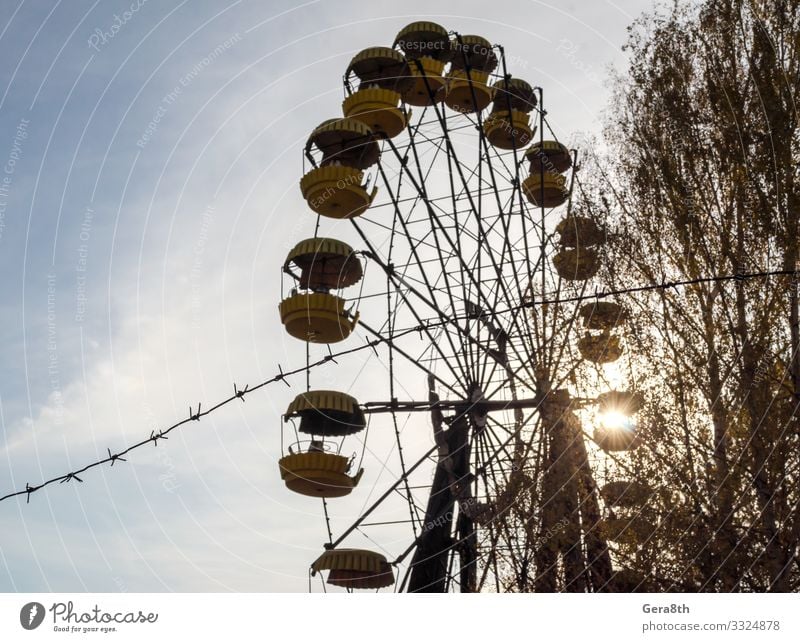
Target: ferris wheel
[{"x": 470, "y": 282}]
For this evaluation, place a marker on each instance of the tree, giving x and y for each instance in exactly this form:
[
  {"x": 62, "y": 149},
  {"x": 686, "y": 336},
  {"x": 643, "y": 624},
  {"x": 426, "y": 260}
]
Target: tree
[{"x": 701, "y": 178}]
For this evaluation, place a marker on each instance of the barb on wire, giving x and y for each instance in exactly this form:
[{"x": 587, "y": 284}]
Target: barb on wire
[
  {"x": 282, "y": 377},
  {"x": 330, "y": 356},
  {"x": 114, "y": 458},
  {"x": 239, "y": 394},
  {"x": 372, "y": 345}
]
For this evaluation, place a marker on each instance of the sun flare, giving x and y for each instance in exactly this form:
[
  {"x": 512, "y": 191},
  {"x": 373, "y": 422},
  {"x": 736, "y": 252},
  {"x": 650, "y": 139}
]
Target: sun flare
[{"x": 615, "y": 420}]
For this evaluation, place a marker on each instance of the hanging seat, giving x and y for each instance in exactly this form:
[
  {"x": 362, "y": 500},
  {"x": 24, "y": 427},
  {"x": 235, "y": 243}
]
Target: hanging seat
[
  {"x": 327, "y": 413},
  {"x": 336, "y": 191},
  {"x": 324, "y": 264},
  {"x": 628, "y": 403},
  {"x": 426, "y": 46},
  {"x": 626, "y": 494},
  {"x": 550, "y": 154},
  {"x": 506, "y": 132},
  {"x": 575, "y": 231},
  {"x": 577, "y": 264},
  {"x": 354, "y": 568},
  {"x": 617, "y": 439},
  {"x": 378, "y": 109},
  {"x": 384, "y": 75},
  {"x": 318, "y": 474},
  {"x": 600, "y": 348},
  {"x": 317, "y": 317},
  {"x": 515, "y": 94},
  {"x": 467, "y": 92},
  {"x": 334, "y": 188},
  {"x": 549, "y": 190}
]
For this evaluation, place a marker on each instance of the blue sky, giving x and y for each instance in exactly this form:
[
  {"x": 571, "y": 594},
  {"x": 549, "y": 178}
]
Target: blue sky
[{"x": 148, "y": 195}]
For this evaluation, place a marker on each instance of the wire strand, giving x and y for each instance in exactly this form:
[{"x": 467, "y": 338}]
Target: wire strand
[{"x": 281, "y": 376}]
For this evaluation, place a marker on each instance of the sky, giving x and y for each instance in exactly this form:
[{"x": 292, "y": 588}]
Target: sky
[{"x": 151, "y": 153}]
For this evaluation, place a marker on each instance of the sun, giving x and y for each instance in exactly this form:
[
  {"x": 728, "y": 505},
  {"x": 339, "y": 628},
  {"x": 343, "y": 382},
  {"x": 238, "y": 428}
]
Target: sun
[{"x": 616, "y": 420}]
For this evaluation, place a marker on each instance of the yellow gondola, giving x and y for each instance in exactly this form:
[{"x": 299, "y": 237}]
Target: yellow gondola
[
  {"x": 467, "y": 91},
  {"x": 354, "y": 568},
  {"x": 515, "y": 94},
  {"x": 377, "y": 108},
  {"x": 318, "y": 474},
  {"x": 344, "y": 141},
  {"x": 384, "y": 76},
  {"x": 549, "y": 190},
  {"x": 580, "y": 231},
  {"x": 317, "y": 317},
  {"x": 336, "y": 191},
  {"x": 429, "y": 84},
  {"x": 550, "y": 154},
  {"x": 324, "y": 264},
  {"x": 426, "y": 46},
  {"x": 382, "y": 67},
  {"x": 472, "y": 52},
  {"x": 602, "y": 315},
  {"x": 616, "y": 431},
  {"x": 327, "y": 413},
  {"x": 616, "y": 439},
  {"x": 631, "y": 532},
  {"x": 576, "y": 264},
  {"x": 626, "y": 494},
  {"x": 334, "y": 188},
  {"x": 623, "y": 401},
  {"x": 506, "y": 132},
  {"x": 600, "y": 348}
]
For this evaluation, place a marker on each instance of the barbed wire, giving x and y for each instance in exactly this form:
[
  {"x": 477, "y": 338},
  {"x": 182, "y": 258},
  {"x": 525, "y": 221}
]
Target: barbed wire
[
  {"x": 331, "y": 357},
  {"x": 199, "y": 414},
  {"x": 603, "y": 294},
  {"x": 739, "y": 276}
]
